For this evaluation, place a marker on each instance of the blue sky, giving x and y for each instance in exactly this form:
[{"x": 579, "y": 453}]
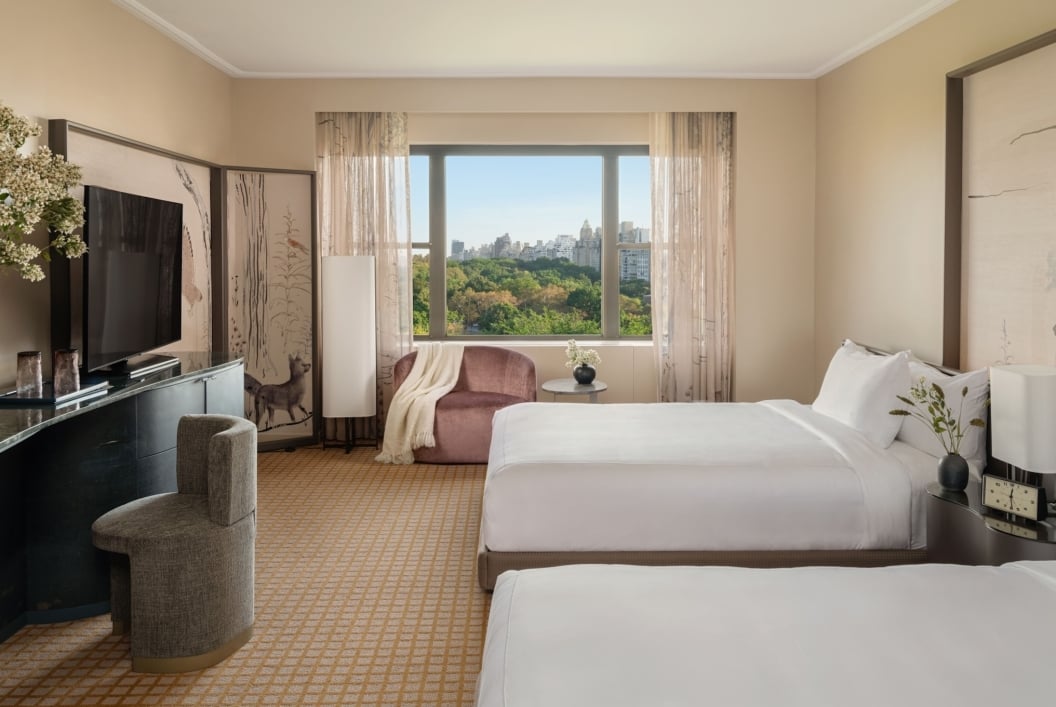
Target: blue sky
[{"x": 531, "y": 198}]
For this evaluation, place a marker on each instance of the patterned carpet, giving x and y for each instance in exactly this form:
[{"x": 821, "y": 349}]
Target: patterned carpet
[{"x": 366, "y": 594}]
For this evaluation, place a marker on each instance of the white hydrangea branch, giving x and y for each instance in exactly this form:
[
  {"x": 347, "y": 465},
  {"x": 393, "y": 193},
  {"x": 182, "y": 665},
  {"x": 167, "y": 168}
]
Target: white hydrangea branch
[
  {"x": 34, "y": 189},
  {"x": 577, "y": 356}
]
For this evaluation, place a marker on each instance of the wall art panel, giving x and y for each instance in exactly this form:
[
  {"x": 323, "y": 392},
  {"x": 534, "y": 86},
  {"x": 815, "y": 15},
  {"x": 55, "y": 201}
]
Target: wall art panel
[
  {"x": 111, "y": 162},
  {"x": 1008, "y": 208},
  {"x": 270, "y": 276}
]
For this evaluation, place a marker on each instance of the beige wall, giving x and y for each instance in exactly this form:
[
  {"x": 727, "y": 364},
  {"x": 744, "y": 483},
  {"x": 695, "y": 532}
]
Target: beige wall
[
  {"x": 90, "y": 62},
  {"x": 106, "y": 69},
  {"x": 880, "y": 176},
  {"x": 870, "y": 267},
  {"x": 274, "y": 127},
  {"x": 626, "y": 368}
]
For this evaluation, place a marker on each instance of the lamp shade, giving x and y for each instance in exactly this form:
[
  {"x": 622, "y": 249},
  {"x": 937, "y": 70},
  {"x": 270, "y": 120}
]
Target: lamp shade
[
  {"x": 1023, "y": 416},
  {"x": 349, "y": 338}
]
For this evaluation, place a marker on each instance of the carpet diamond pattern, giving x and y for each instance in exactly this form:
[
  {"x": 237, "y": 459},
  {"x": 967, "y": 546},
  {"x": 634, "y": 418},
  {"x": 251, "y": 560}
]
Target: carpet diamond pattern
[{"x": 366, "y": 594}]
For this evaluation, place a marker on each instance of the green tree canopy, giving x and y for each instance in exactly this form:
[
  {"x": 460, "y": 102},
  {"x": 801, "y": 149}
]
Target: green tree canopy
[{"x": 505, "y": 296}]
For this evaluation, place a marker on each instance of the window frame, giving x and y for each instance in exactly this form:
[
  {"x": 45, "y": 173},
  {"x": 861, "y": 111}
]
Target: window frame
[{"x": 610, "y": 247}]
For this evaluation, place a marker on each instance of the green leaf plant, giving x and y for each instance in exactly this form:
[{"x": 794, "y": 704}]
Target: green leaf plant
[{"x": 927, "y": 403}]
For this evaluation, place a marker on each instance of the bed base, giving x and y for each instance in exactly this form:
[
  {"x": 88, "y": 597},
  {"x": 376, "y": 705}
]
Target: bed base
[{"x": 491, "y": 564}]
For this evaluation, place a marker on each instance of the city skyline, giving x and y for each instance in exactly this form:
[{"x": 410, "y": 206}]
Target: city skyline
[{"x": 532, "y": 199}]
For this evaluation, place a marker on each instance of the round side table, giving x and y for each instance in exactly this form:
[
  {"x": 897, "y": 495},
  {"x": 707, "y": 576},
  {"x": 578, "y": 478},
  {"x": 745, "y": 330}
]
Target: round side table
[{"x": 569, "y": 386}]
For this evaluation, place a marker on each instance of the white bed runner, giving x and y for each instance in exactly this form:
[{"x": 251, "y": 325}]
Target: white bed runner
[
  {"x": 615, "y": 636},
  {"x": 693, "y": 476}
]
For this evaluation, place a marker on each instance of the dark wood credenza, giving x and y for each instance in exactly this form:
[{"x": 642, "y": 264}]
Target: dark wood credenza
[{"x": 63, "y": 467}]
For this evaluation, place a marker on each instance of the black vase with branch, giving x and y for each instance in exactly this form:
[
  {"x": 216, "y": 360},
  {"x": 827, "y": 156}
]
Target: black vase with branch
[{"x": 927, "y": 403}]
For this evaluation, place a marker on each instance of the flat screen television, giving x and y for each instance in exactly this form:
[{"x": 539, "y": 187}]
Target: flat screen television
[{"x": 131, "y": 278}]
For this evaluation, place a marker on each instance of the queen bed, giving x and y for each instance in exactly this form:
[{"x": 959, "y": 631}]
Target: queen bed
[
  {"x": 622, "y": 635},
  {"x": 768, "y": 484}
]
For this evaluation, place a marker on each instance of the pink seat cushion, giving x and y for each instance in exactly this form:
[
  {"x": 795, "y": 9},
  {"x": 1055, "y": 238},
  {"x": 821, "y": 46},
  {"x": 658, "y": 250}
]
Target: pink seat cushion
[
  {"x": 491, "y": 377},
  {"x": 463, "y": 427}
]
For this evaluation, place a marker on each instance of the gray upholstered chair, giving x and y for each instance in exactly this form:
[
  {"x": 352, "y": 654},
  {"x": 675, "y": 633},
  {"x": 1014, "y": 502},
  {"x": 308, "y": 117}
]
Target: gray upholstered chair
[
  {"x": 181, "y": 576},
  {"x": 491, "y": 378}
]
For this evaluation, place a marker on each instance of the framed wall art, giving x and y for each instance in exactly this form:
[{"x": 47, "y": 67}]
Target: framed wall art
[
  {"x": 249, "y": 267},
  {"x": 114, "y": 162},
  {"x": 270, "y": 265},
  {"x": 1001, "y": 209}
]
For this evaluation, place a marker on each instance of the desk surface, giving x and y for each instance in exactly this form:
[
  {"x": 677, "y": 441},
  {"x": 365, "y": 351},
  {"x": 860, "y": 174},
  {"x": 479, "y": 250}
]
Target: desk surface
[{"x": 17, "y": 423}]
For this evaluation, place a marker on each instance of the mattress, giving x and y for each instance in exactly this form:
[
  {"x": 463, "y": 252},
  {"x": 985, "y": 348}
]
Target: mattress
[
  {"x": 773, "y": 475},
  {"x": 615, "y": 635}
]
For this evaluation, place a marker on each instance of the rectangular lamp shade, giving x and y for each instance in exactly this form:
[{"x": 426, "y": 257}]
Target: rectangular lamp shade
[
  {"x": 349, "y": 338},
  {"x": 1023, "y": 416}
]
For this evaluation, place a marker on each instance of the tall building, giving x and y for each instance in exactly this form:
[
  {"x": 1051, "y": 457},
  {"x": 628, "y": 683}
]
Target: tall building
[
  {"x": 587, "y": 251},
  {"x": 634, "y": 264},
  {"x": 626, "y": 234},
  {"x": 533, "y": 252},
  {"x": 561, "y": 247},
  {"x": 585, "y": 231},
  {"x": 503, "y": 247}
]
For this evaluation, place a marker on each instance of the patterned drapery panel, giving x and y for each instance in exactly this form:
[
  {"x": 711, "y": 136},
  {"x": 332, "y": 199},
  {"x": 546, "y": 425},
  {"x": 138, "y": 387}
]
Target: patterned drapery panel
[
  {"x": 691, "y": 156},
  {"x": 363, "y": 165}
]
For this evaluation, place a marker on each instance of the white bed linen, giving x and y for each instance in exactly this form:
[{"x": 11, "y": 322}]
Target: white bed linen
[
  {"x": 614, "y": 635},
  {"x": 693, "y": 476},
  {"x": 923, "y": 470}
]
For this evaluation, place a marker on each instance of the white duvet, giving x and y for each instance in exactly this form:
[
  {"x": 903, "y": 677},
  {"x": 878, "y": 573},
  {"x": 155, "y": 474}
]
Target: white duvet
[
  {"x": 615, "y": 636},
  {"x": 694, "y": 476}
]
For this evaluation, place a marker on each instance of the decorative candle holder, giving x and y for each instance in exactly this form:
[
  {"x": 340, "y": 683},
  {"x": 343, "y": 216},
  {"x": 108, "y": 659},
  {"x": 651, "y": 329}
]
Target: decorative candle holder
[
  {"x": 67, "y": 377},
  {"x": 28, "y": 381}
]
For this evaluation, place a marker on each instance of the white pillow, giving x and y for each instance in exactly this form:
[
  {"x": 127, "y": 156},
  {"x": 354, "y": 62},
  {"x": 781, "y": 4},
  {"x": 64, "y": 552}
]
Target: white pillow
[
  {"x": 860, "y": 391},
  {"x": 853, "y": 347},
  {"x": 919, "y": 435}
]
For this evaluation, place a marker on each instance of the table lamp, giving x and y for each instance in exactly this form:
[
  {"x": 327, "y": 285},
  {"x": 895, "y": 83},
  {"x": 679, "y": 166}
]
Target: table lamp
[{"x": 1023, "y": 419}]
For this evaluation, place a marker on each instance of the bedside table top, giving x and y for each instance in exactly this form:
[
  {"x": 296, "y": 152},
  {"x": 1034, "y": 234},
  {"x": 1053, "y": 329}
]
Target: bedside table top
[{"x": 972, "y": 499}]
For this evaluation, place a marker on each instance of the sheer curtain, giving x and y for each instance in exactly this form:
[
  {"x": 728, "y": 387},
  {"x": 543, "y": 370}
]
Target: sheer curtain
[
  {"x": 691, "y": 159},
  {"x": 363, "y": 165}
]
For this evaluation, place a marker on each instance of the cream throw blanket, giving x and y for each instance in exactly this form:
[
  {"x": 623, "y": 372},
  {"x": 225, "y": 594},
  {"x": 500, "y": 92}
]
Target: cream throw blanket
[{"x": 409, "y": 424}]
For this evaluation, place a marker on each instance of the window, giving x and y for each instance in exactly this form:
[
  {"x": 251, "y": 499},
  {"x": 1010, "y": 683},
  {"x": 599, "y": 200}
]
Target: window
[{"x": 530, "y": 241}]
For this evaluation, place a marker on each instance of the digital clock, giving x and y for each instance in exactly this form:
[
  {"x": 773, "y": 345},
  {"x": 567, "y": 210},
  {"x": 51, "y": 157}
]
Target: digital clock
[{"x": 1023, "y": 500}]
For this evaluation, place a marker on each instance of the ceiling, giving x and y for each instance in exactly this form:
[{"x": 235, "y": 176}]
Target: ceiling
[{"x": 530, "y": 38}]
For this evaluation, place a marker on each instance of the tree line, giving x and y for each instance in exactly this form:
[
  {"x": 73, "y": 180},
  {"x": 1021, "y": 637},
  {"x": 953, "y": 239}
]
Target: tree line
[{"x": 505, "y": 296}]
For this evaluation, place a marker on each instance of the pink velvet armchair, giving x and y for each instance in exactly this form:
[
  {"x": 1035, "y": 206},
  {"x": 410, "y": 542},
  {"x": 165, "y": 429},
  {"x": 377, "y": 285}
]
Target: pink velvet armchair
[{"x": 491, "y": 378}]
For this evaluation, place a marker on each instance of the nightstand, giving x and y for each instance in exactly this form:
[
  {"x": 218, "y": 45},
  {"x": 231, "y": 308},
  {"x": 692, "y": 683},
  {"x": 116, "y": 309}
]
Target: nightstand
[
  {"x": 961, "y": 530},
  {"x": 569, "y": 386}
]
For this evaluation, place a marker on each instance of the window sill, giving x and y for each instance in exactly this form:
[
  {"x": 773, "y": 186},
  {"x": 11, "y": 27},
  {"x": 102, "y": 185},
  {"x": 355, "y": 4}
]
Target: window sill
[{"x": 544, "y": 343}]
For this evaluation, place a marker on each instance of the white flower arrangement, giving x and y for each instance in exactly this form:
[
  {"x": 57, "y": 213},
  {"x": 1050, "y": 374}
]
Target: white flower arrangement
[
  {"x": 580, "y": 357},
  {"x": 34, "y": 188}
]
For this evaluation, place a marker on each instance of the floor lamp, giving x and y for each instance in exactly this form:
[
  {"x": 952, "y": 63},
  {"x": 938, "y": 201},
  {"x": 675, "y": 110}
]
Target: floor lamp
[{"x": 349, "y": 343}]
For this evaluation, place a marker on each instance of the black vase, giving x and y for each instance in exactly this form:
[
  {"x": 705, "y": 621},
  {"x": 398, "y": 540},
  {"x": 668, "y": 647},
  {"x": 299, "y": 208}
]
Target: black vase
[
  {"x": 953, "y": 472},
  {"x": 583, "y": 374}
]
